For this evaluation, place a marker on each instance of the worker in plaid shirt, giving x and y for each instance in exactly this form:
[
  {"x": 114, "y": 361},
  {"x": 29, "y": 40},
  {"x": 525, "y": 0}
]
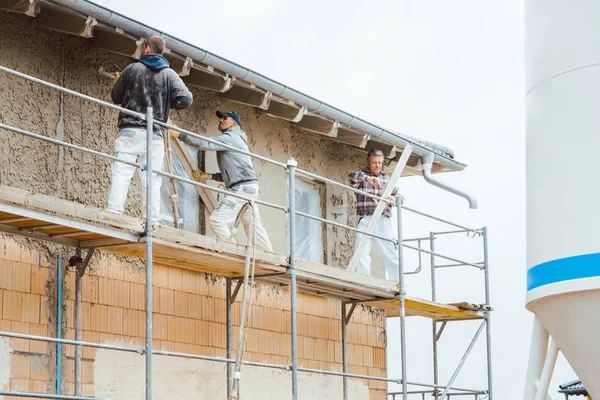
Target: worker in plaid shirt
[{"x": 373, "y": 180}]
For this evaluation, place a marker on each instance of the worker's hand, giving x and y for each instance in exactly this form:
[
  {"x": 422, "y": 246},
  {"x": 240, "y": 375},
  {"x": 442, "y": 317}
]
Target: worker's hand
[
  {"x": 117, "y": 76},
  {"x": 394, "y": 198},
  {"x": 174, "y": 134},
  {"x": 201, "y": 176},
  {"x": 373, "y": 181}
]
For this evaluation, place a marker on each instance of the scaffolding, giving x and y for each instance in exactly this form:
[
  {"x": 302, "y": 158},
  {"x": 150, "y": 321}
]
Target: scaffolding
[{"x": 85, "y": 228}]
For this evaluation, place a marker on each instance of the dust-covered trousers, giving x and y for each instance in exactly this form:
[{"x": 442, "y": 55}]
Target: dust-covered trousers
[
  {"x": 388, "y": 250},
  {"x": 223, "y": 218},
  {"x": 131, "y": 146}
]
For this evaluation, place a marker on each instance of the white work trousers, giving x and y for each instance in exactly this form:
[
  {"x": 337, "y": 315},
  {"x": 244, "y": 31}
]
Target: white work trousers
[
  {"x": 131, "y": 146},
  {"x": 388, "y": 250},
  {"x": 223, "y": 218}
]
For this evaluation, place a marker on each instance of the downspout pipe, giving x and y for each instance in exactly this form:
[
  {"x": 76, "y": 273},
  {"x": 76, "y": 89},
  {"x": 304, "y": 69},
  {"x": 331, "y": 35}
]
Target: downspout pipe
[
  {"x": 441, "y": 154},
  {"x": 426, "y": 164}
]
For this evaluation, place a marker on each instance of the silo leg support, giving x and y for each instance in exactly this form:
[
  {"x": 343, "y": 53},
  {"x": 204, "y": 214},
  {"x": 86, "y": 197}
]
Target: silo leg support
[
  {"x": 537, "y": 356},
  {"x": 542, "y": 390}
]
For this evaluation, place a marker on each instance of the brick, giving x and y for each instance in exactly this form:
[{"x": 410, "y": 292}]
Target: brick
[
  {"x": 160, "y": 325},
  {"x": 130, "y": 324},
  {"x": 166, "y": 301},
  {"x": 87, "y": 390},
  {"x": 200, "y": 333},
  {"x": 10, "y": 250},
  {"x": 189, "y": 281},
  {"x": 187, "y": 330},
  {"x": 134, "y": 275},
  {"x": 137, "y": 296},
  {"x": 39, "y": 278},
  {"x": 221, "y": 311},
  {"x": 155, "y": 299},
  {"x": 36, "y": 346},
  {"x": 89, "y": 352},
  {"x": 175, "y": 278},
  {"x": 114, "y": 318},
  {"x": 106, "y": 291},
  {"x": 208, "y": 309},
  {"x": 12, "y": 305},
  {"x": 378, "y": 358},
  {"x": 160, "y": 277},
  {"x": 89, "y": 288},
  {"x": 21, "y": 277},
  {"x": 368, "y": 356},
  {"x": 36, "y": 386},
  {"x": 31, "y": 308},
  {"x": 179, "y": 303},
  {"x": 194, "y": 306},
  {"x": 121, "y": 294},
  {"x": 86, "y": 316},
  {"x": 19, "y": 367},
  {"x": 375, "y": 394},
  {"x": 98, "y": 317},
  {"x": 87, "y": 372},
  {"x": 201, "y": 284},
  {"x": 174, "y": 328},
  {"x": 6, "y": 271}
]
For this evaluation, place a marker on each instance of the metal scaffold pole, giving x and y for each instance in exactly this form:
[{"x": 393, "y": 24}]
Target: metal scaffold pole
[
  {"x": 434, "y": 339},
  {"x": 228, "y": 300},
  {"x": 402, "y": 292},
  {"x": 346, "y": 315},
  {"x": 291, "y": 201},
  {"x": 488, "y": 329},
  {"x": 148, "y": 237},
  {"x": 78, "y": 268}
]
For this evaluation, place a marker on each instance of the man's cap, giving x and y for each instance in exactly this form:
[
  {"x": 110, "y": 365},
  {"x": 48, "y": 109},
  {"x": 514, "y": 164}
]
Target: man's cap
[{"x": 231, "y": 114}]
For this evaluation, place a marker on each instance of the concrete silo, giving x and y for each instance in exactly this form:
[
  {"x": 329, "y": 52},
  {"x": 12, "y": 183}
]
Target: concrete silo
[{"x": 562, "y": 62}]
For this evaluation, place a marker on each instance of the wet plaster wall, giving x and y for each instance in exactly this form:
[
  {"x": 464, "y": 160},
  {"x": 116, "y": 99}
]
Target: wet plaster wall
[
  {"x": 72, "y": 62},
  {"x": 32, "y": 165}
]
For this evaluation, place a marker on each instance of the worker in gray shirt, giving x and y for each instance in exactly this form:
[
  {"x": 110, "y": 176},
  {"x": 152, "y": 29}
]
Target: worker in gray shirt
[{"x": 238, "y": 175}]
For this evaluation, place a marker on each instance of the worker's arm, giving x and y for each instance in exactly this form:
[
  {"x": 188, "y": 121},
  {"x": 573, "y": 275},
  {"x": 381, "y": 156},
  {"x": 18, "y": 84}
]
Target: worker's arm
[
  {"x": 356, "y": 177},
  {"x": 224, "y": 138},
  {"x": 118, "y": 90},
  {"x": 181, "y": 97}
]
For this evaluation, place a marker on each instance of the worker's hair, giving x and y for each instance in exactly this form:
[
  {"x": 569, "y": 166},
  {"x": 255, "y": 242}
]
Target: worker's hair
[
  {"x": 157, "y": 44},
  {"x": 374, "y": 153}
]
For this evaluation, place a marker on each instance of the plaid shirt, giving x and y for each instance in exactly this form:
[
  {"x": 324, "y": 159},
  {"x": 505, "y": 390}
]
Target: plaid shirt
[{"x": 366, "y": 205}]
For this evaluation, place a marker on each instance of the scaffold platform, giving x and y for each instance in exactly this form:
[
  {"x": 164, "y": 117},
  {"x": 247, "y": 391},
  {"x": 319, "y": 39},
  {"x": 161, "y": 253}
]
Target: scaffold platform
[{"x": 64, "y": 222}]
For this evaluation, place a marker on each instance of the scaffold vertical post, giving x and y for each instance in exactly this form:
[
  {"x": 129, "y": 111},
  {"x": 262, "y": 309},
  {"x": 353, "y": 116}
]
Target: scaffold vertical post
[
  {"x": 59, "y": 325},
  {"x": 402, "y": 292},
  {"x": 291, "y": 201},
  {"x": 78, "y": 267},
  {"x": 148, "y": 236},
  {"x": 433, "y": 321},
  {"x": 229, "y": 333},
  {"x": 488, "y": 330},
  {"x": 344, "y": 351}
]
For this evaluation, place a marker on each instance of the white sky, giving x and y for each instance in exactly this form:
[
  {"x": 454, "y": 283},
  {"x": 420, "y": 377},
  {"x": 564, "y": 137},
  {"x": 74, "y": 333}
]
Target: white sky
[{"x": 446, "y": 71}]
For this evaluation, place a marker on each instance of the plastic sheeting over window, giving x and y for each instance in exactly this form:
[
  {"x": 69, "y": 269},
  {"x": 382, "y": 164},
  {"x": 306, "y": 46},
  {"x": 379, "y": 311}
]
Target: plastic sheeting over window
[
  {"x": 188, "y": 200},
  {"x": 309, "y": 233}
]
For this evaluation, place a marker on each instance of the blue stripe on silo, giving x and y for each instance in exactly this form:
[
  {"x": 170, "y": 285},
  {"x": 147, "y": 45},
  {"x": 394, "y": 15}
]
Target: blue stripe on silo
[{"x": 563, "y": 269}]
